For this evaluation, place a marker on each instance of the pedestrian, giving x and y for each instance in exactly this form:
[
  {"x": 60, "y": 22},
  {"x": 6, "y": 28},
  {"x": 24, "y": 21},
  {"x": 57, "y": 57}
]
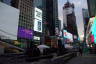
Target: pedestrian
[
  {"x": 32, "y": 50},
  {"x": 35, "y": 51},
  {"x": 80, "y": 51}
]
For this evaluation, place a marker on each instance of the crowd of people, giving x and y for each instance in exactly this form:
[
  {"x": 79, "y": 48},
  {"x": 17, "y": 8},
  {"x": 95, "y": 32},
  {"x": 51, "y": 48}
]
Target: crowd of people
[{"x": 34, "y": 51}]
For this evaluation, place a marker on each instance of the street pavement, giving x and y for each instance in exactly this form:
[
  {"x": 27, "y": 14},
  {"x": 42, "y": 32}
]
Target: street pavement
[
  {"x": 21, "y": 60},
  {"x": 89, "y": 59}
]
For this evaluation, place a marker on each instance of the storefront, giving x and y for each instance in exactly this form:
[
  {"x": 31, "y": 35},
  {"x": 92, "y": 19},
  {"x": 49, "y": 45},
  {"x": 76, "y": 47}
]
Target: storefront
[{"x": 51, "y": 41}]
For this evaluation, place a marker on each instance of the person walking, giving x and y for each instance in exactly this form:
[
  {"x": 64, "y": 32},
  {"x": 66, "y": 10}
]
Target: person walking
[{"x": 80, "y": 51}]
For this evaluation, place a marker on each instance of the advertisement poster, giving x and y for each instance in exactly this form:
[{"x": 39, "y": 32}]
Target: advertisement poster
[
  {"x": 68, "y": 36},
  {"x": 25, "y": 33},
  {"x": 38, "y": 20}
]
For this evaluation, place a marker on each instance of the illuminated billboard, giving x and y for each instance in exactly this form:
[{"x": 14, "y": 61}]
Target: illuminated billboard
[
  {"x": 38, "y": 20},
  {"x": 65, "y": 33},
  {"x": 68, "y": 36},
  {"x": 68, "y": 10},
  {"x": 93, "y": 28},
  {"x": 25, "y": 33},
  {"x": 9, "y": 18}
]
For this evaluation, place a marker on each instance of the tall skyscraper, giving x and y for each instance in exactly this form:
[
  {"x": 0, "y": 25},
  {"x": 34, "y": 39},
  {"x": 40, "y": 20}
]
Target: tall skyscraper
[
  {"x": 25, "y": 18},
  {"x": 52, "y": 15},
  {"x": 69, "y": 18},
  {"x": 92, "y": 7},
  {"x": 85, "y": 17},
  {"x": 85, "y": 21},
  {"x": 51, "y": 22}
]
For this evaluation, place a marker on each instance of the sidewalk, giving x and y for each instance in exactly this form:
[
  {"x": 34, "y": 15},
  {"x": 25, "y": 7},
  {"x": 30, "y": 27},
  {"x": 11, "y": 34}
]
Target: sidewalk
[{"x": 86, "y": 59}]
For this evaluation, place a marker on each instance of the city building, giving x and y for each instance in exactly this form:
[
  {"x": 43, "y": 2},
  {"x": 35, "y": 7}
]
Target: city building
[
  {"x": 92, "y": 7},
  {"x": 28, "y": 11},
  {"x": 24, "y": 30},
  {"x": 9, "y": 19},
  {"x": 39, "y": 33},
  {"x": 69, "y": 19},
  {"x": 85, "y": 20},
  {"x": 52, "y": 15},
  {"x": 58, "y": 24},
  {"x": 85, "y": 16},
  {"x": 26, "y": 18},
  {"x": 49, "y": 18},
  {"x": 52, "y": 23},
  {"x": 47, "y": 10}
]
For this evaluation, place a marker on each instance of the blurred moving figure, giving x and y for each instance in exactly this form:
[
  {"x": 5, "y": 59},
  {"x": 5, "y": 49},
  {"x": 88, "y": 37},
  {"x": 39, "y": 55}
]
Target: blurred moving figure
[
  {"x": 80, "y": 51},
  {"x": 32, "y": 50}
]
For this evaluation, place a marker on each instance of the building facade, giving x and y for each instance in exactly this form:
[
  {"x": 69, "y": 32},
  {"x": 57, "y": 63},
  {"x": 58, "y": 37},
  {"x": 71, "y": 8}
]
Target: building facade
[
  {"x": 52, "y": 15},
  {"x": 51, "y": 21},
  {"x": 27, "y": 8},
  {"x": 69, "y": 18},
  {"x": 85, "y": 20},
  {"x": 40, "y": 4},
  {"x": 26, "y": 23},
  {"x": 92, "y": 7}
]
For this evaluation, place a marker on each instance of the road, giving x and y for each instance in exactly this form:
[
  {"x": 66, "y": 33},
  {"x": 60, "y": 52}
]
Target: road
[{"x": 90, "y": 59}]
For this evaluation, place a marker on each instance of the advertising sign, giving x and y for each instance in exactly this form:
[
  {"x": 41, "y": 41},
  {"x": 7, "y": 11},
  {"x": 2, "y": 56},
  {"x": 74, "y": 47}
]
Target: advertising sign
[
  {"x": 36, "y": 38},
  {"x": 9, "y": 17},
  {"x": 25, "y": 33},
  {"x": 69, "y": 10},
  {"x": 65, "y": 33},
  {"x": 68, "y": 36},
  {"x": 93, "y": 29},
  {"x": 38, "y": 20},
  {"x": 92, "y": 38}
]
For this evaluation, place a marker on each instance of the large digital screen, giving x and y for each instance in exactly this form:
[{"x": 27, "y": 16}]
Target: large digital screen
[
  {"x": 38, "y": 20},
  {"x": 25, "y": 33},
  {"x": 68, "y": 36}
]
